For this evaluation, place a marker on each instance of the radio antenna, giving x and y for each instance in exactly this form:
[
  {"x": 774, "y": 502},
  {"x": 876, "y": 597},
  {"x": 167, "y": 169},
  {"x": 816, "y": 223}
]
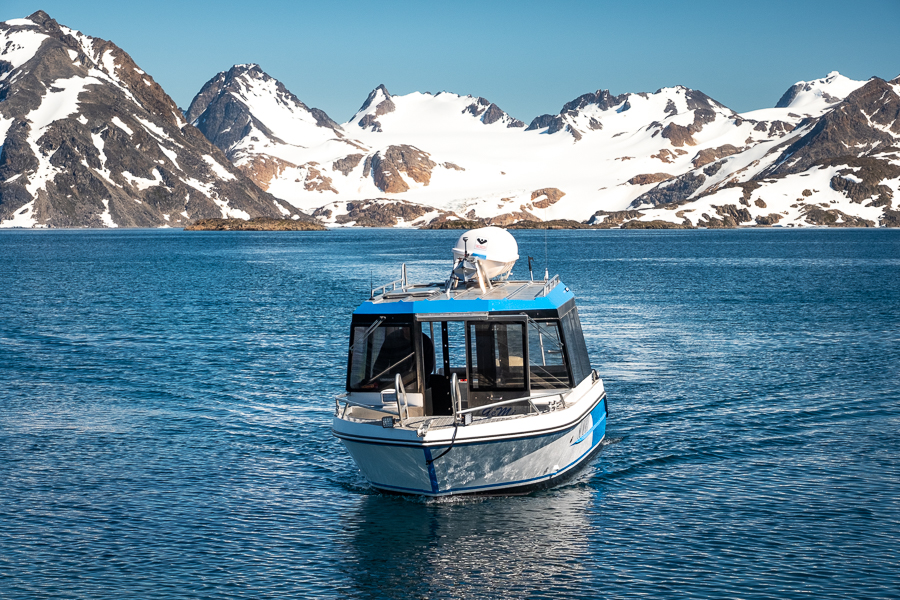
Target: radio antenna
[{"x": 546, "y": 259}]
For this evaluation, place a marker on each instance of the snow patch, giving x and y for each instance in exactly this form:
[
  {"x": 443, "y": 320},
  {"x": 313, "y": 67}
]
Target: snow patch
[
  {"x": 105, "y": 217},
  {"x": 218, "y": 169},
  {"x": 23, "y": 217},
  {"x": 20, "y": 46},
  {"x": 171, "y": 155},
  {"x": 109, "y": 62},
  {"x": 121, "y": 125},
  {"x": 59, "y": 104},
  {"x": 156, "y": 130},
  {"x": 141, "y": 183}
]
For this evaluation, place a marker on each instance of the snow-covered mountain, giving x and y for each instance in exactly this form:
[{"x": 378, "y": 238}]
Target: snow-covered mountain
[
  {"x": 90, "y": 140},
  {"x": 459, "y": 156},
  {"x": 839, "y": 168},
  {"x": 265, "y": 130}
]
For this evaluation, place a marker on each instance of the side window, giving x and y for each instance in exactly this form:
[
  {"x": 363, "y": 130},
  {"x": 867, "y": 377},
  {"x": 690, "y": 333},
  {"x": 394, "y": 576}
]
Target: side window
[
  {"x": 497, "y": 356},
  {"x": 575, "y": 346},
  {"x": 376, "y": 359},
  {"x": 546, "y": 359}
]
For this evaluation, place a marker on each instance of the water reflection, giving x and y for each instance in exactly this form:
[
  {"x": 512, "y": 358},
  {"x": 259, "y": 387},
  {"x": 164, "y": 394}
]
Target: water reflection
[{"x": 470, "y": 548}]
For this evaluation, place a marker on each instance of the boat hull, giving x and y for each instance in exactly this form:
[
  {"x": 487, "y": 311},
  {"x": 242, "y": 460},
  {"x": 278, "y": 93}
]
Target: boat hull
[{"x": 483, "y": 462}]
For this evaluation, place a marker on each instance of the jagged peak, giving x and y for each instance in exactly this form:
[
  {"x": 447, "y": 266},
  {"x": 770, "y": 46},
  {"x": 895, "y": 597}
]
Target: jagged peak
[
  {"x": 488, "y": 112},
  {"x": 379, "y": 92},
  {"x": 601, "y": 98},
  {"x": 377, "y": 103},
  {"x": 40, "y": 17}
]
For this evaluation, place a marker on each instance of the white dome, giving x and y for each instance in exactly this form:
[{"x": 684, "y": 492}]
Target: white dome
[{"x": 495, "y": 248}]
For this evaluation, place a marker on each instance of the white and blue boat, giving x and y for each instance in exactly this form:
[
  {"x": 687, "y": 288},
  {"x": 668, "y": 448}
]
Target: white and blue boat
[{"x": 477, "y": 384}]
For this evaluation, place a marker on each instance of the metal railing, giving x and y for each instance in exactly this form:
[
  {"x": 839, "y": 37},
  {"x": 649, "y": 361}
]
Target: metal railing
[
  {"x": 398, "y": 390},
  {"x": 339, "y": 412},
  {"x": 529, "y": 399},
  {"x": 459, "y": 414},
  {"x": 455, "y": 397},
  {"x": 403, "y": 282},
  {"x": 548, "y": 287}
]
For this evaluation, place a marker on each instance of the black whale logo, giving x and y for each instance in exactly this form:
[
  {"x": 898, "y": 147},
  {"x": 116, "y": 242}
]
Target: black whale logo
[{"x": 481, "y": 241}]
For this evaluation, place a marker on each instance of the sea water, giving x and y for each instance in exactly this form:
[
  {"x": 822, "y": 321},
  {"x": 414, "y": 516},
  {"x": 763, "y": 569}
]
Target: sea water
[{"x": 166, "y": 400}]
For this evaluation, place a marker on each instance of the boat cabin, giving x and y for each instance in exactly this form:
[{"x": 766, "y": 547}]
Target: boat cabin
[{"x": 502, "y": 341}]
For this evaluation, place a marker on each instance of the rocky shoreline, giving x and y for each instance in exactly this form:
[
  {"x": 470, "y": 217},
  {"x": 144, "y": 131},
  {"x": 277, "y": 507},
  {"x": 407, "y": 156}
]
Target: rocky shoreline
[{"x": 257, "y": 224}]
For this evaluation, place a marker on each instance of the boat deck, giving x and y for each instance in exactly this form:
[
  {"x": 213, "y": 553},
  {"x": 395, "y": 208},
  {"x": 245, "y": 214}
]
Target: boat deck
[{"x": 373, "y": 415}]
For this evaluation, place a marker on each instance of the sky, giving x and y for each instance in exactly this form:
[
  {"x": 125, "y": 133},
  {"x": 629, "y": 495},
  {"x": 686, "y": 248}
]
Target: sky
[{"x": 528, "y": 57}]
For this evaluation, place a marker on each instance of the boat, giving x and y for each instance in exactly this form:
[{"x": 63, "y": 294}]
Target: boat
[{"x": 477, "y": 384}]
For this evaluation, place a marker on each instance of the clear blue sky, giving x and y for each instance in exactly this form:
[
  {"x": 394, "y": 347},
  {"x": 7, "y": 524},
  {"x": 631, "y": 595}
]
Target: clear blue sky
[{"x": 529, "y": 57}]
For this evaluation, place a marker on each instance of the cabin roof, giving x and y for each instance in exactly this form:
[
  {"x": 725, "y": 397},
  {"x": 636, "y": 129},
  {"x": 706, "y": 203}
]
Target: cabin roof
[{"x": 501, "y": 297}]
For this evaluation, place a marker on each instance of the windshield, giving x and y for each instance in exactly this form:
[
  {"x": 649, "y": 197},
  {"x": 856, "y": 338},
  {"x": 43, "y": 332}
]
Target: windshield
[
  {"x": 496, "y": 356},
  {"x": 376, "y": 359},
  {"x": 547, "y": 365}
]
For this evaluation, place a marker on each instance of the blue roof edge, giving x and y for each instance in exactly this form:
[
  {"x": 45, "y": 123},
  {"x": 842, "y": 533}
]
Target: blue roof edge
[{"x": 558, "y": 296}]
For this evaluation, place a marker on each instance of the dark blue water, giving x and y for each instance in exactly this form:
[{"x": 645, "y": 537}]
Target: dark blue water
[{"x": 165, "y": 406}]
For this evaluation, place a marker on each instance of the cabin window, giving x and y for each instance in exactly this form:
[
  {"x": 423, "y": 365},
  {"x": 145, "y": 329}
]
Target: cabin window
[
  {"x": 546, "y": 359},
  {"x": 376, "y": 358},
  {"x": 496, "y": 356},
  {"x": 575, "y": 346}
]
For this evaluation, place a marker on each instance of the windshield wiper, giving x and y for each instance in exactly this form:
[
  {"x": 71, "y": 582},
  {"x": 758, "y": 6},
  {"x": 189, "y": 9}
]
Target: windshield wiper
[
  {"x": 374, "y": 377},
  {"x": 368, "y": 332}
]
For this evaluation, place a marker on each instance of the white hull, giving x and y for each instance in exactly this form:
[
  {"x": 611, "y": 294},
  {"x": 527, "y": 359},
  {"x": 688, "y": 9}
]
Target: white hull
[{"x": 493, "y": 456}]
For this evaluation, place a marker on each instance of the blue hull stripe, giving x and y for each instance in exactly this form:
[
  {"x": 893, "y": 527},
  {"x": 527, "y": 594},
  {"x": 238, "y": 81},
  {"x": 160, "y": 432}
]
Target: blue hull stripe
[
  {"x": 432, "y": 475},
  {"x": 597, "y": 423}
]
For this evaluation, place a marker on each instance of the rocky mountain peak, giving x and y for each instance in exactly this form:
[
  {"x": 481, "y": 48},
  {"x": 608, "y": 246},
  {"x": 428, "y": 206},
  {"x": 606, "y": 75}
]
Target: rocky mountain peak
[
  {"x": 867, "y": 119},
  {"x": 378, "y": 97},
  {"x": 818, "y": 94},
  {"x": 90, "y": 139},
  {"x": 246, "y": 100},
  {"x": 39, "y": 17},
  {"x": 377, "y": 103},
  {"x": 602, "y": 99},
  {"x": 490, "y": 113}
]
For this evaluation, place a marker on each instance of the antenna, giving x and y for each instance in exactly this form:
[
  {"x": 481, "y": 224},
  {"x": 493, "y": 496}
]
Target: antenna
[
  {"x": 530, "y": 272},
  {"x": 371, "y": 289},
  {"x": 546, "y": 259}
]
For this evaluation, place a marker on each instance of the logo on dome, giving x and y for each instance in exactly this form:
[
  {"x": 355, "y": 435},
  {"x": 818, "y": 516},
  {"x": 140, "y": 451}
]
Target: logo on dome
[{"x": 481, "y": 241}]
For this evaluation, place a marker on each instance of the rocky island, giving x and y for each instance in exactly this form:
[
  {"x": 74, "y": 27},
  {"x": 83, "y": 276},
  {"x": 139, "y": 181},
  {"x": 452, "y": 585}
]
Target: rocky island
[{"x": 256, "y": 224}]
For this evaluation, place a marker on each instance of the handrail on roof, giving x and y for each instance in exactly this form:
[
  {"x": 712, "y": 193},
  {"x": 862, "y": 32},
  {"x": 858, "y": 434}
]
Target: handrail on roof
[
  {"x": 484, "y": 284},
  {"x": 548, "y": 287}
]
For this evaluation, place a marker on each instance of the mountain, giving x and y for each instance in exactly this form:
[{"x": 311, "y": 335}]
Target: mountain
[
  {"x": 812, "y": 97},
  {"x": 444, "y": 107},
  {"x": 91, "y": 140},
  {"x": 264, "y": 129},
  {"x": 464, "y": 156},
  {"x": 840, "y": 168}
]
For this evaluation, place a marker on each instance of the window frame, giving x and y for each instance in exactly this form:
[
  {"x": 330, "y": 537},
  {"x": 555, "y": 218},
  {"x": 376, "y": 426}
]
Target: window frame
[
  {"x": 556, "y": 323},
  {"x": 520, "y": 320},
  {"x": 415, "y": 335}
]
